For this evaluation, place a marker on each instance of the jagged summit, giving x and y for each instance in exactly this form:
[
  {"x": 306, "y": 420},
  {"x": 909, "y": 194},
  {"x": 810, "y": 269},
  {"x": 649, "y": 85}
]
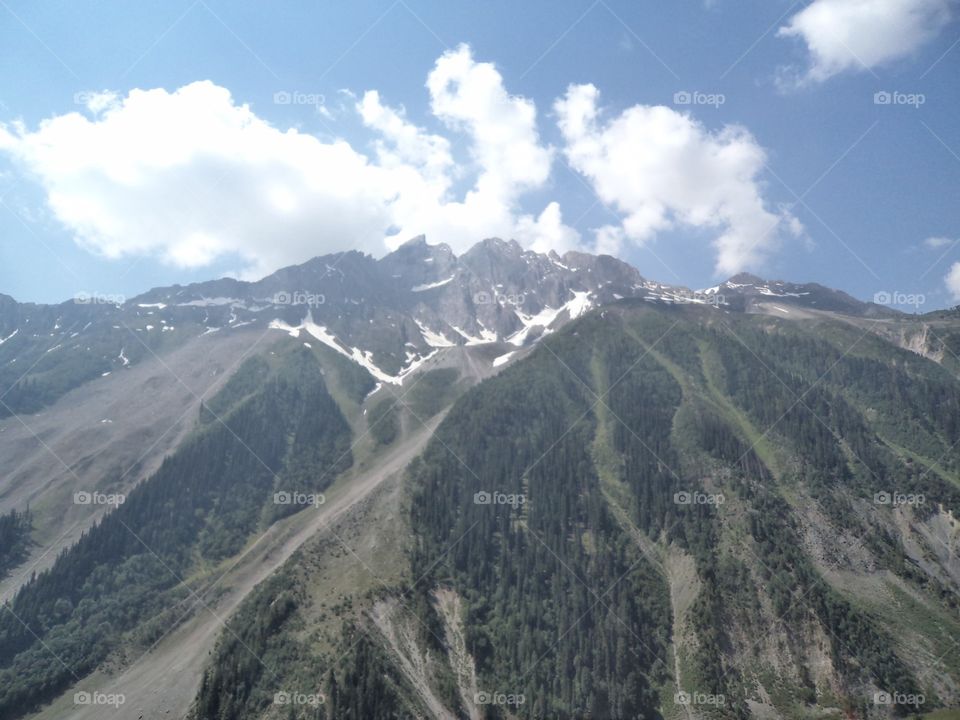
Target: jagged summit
[{"x": 391, "y": 314}]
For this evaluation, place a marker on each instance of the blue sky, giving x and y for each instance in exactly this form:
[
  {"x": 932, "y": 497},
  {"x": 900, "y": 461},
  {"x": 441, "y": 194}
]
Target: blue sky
[{"x": 785, "y": 158}]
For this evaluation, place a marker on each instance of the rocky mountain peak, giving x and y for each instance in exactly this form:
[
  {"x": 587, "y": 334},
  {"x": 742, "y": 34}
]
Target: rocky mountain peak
[{"x": 391, "y": 314}]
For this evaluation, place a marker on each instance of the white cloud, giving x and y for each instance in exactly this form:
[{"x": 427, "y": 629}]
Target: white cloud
[
  {"x": 508, "y": 160},
  {"x": 546, "y": 232},
  {"x": 608, "y": 240},
  {"x": 952, "y": 281},
  {"x": 507, "y": 157},
  {"x": 843, "y": 35},
  {"x": 662, "y": 169},
  {"x": 403, "y": 143},
  {"x": 937, "y": 242},
  {"x": 191, "y": 176},
  {"x": 97, "y": 102},
  {"x": 470, "y": 96}
]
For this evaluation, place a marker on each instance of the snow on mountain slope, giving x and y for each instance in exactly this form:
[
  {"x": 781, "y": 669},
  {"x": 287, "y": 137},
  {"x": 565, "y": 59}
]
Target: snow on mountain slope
[{"x": 387, "y": 315}]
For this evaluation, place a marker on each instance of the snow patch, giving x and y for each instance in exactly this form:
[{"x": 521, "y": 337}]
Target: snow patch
[
  {"x": 430, "y": 286},
  {"x": 435, "y": 340},
  {"x": 764, "y": 290},
  {"x": 576, "y": 307},
  {"x": 210, "y": 302},
  {"x": 281, "y": 325},
  {"x": 579, "y": 305},
  {"x": 363, "y": 358},
  {"x": 486, "y": 336}
]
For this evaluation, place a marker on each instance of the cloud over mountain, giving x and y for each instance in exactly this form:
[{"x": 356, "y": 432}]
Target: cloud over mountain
[
  {"x": 192, "y": 176},
  {"x": 661, "y": 168}
]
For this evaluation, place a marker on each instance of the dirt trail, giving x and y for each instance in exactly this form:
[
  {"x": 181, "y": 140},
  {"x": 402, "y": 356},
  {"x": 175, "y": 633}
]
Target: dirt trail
[{"x": 162, "y": 684}]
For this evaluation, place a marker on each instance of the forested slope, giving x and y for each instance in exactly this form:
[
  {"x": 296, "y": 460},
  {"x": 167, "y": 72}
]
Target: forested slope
[
  {"x": 658, "y": 512},
  {"x": 672, "y": 511},
  {"x": 275, "y": 429}
]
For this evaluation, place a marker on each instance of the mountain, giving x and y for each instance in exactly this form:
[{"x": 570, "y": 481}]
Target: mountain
[
  {"x": 745, "y": 291},
  {"x": 498, "y": 485},
  {"x": 388, "y": 315}
]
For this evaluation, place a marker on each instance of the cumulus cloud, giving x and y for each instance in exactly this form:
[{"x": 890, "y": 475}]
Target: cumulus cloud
[
  {"x": 662, "y": 169},
  {"x": 952, "y": 281},
  {"x": 843, "y": 35},
  {"x": 191, "y": 176},
  {"x": 507, "y": 159},
  {"x": 401, "y": 143},
  {"x": 470, "y": 96}
]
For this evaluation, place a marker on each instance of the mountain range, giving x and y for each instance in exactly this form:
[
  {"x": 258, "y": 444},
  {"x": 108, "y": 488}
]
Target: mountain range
[{"x": 495, "y": 485}]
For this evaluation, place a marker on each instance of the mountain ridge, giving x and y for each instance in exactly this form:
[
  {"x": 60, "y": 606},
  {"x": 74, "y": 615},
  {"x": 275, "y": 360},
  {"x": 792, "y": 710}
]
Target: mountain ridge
[{"x": 388, "y": 313}]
